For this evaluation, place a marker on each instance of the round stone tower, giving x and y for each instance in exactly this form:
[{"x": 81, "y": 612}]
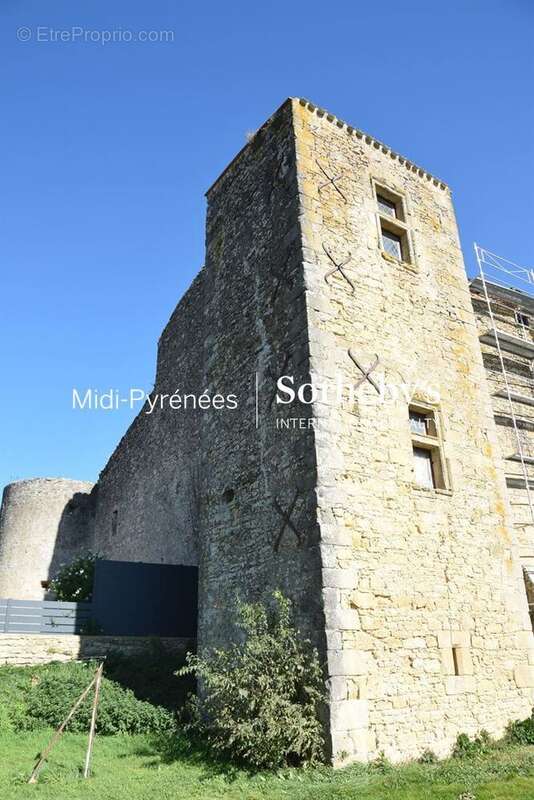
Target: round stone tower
[{"x": 44, "y": 522}]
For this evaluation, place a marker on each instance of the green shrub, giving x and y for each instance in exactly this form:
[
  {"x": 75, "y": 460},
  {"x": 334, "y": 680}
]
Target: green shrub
[
  {"x": 521, "y": 731},
  {"x": 6, "y": 723},
  {"x": 261, "y": 697},
  {"x": 428, "y": 757},
  {"x": 481, "y": 744},
  {"x": 44, "y": 696},
  {"x": 74, "y": 581}
]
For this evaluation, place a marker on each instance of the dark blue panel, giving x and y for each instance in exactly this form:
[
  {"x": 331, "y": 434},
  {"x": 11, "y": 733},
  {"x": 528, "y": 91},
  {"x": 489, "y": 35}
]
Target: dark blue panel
[{"x": 136, "y": 599}]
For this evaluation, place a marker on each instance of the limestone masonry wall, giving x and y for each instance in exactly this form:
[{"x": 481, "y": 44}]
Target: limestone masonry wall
[
  {"x": 148, "y": 492},
  {"x": 409, "y": 573}
]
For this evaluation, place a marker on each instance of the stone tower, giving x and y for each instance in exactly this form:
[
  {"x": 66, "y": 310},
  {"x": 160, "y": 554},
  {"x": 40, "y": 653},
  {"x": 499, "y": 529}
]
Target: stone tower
[
  {"x": 44, "y": 523},
  {"x": 387, "y": 520},
  {"x": 332, "y": 261}
]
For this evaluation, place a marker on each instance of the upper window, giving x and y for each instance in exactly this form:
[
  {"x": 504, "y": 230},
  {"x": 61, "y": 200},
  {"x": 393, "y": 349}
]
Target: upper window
[
  {"x": 385, "y": 206},
  {"x": 394, "y": 234},
  {"x": 422, "y": 422},
  {"x": 428, "y": 462}
]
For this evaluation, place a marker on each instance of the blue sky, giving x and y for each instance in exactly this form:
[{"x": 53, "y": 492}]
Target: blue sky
[{"x": 107, "y": 150}]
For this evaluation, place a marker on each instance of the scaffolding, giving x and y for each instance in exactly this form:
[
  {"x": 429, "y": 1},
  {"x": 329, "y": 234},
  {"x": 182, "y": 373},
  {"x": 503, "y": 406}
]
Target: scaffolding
[{"x": 499, "y": 280}]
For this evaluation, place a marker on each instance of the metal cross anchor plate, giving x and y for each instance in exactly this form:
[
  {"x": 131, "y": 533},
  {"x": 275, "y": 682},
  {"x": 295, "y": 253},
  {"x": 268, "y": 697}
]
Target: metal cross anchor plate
[
  {"x": 331, "y": 180},
  {"x": 338, "y": 268},
  {"x": 287, "y": 521},
  {"x": 366, "y": 372},
  {"x": 274, "y": 378}
]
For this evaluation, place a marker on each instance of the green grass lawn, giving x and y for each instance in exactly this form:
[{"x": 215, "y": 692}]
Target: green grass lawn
[{"x": 139, "y": 768}]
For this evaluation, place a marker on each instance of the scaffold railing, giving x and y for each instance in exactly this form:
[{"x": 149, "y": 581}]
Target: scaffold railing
[{"x": 498, "y": 271}]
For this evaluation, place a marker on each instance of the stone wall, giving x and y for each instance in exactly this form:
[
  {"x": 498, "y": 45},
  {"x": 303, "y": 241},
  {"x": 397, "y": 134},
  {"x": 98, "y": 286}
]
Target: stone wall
[
  {"x": 256, "y": 476},
  {"x": 44, "y": 523},
  {"x": 148, "y": 493},
  {"x": 427, "y": 625},
  {"x": 21, "y": 649}
]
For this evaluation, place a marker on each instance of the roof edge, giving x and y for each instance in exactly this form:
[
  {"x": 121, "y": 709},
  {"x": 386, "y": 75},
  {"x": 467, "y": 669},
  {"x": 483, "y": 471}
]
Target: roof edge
[{"x": 350, "y": 129}]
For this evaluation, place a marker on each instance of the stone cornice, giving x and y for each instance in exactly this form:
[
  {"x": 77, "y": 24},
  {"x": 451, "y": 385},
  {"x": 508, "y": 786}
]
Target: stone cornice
[{"x": 370, "y": 140}]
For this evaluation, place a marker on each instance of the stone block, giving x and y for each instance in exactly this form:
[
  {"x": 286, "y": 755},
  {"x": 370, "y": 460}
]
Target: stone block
[
  {"x": 348, "y": 715},
  {"x": 347, "y": 662},
  {"x": 524, "y": 676}
]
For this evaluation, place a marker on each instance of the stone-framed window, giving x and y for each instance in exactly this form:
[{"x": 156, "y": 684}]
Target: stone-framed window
[
  {"x": 393, "y": 232},
  {"x": 429, "y": 466},
  {"x": 456, "y": 662}
]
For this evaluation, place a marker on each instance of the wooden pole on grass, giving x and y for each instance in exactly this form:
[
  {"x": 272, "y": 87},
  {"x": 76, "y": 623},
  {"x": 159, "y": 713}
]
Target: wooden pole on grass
[
  {"x": 98, "y": 679},
  {"x": 40, "y": 764}
]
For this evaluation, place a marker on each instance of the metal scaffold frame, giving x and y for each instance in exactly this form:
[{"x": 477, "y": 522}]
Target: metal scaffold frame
[{"x": 502, "y": 272}]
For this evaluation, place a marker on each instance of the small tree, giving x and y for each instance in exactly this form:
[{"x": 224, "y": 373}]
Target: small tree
[
  {"x": 260, "y": 698},
  {"x": 74, "y": 581}
]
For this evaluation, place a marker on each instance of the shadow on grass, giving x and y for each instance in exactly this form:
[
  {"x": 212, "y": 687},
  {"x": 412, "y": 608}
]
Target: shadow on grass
[{"x": 179, "y": 748}]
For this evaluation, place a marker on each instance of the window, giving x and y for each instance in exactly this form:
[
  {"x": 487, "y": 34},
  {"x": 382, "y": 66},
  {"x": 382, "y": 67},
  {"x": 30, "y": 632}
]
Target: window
[
  {"x": 424, "y": 473},
  {"x": 522, "y": 319},
  {"x": 385, "y": 206},
  {"x": 422, "y": 422},
  {"x": 392, "y": 244},
  {"x": 456, "y": 660},
  {"x": 428, "y": 462},
  {"x": 391, "y": 217}
]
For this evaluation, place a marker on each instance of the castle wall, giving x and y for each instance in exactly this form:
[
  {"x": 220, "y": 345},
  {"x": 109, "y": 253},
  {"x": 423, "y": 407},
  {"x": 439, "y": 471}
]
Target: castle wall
[
  {"x": 408, "y": 573},
  {"x": 213, "y": 487},
  {"x": 44, "y": 523},
  {"x": 257, "y": 476},
  {"x": 148, "y": 493}
]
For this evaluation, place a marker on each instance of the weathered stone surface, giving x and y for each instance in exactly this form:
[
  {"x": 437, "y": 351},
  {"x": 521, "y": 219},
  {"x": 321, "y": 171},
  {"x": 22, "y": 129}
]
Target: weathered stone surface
[
  {"x": 421, "y": 559},
  {"x": 21, "y": 649}
]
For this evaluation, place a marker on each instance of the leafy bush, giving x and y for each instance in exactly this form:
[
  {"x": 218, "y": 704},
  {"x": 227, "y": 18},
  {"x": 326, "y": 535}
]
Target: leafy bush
[
  {"x": 477, "y": 746},
  {"x": 260, "y": 698},
  {"x": 521, "y": 731},
  {"x": 44, "y": 696},
  {"x": 428, "y": 757},
  {"x": 74, "y": 581}
]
